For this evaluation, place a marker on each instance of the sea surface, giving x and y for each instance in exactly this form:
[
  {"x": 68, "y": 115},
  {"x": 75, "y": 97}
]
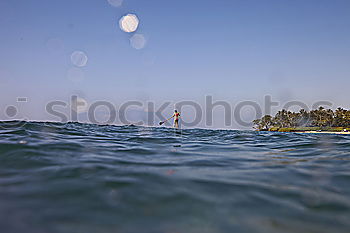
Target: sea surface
[{"x": 82, "y": 178}]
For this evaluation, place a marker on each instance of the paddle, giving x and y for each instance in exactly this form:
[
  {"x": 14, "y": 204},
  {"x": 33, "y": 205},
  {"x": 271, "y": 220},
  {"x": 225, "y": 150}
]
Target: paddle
[{"x": 162, "y": 122}]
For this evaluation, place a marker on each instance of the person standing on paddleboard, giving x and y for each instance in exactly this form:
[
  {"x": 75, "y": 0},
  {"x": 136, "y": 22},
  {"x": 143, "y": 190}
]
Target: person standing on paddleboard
[{"x": 176, "y": 117}]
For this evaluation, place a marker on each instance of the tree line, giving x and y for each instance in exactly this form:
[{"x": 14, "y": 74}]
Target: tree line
[{"x": 320, "y": 117}]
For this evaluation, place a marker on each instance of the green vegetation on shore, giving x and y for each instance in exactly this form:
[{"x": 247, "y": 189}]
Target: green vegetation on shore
[{"x": 316, "y": 120}]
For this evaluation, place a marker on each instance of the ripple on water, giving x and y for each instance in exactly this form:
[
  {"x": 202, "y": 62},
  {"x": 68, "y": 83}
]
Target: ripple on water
[{"x": 82, "y": 177}]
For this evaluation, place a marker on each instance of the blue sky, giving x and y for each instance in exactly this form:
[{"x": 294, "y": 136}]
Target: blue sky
[{"x": 233, "y": 50}]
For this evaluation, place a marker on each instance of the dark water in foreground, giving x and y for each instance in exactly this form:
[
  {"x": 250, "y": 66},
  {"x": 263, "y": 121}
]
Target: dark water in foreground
[{"x": 86, "y": 178}]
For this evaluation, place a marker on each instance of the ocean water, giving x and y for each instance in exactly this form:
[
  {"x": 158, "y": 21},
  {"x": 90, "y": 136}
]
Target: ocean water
[{"x": 74, "y": 178}]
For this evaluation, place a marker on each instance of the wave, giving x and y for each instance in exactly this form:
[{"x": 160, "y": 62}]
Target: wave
[{"x": 77, "y": 177}]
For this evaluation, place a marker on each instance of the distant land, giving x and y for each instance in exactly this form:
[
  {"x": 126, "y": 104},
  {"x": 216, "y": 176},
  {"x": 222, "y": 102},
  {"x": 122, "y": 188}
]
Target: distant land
[{"x": 320, "y": 120}]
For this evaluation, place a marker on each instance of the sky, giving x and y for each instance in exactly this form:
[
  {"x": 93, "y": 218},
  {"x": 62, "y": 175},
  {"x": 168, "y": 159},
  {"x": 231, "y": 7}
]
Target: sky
[{"x": 184, "y": 50}]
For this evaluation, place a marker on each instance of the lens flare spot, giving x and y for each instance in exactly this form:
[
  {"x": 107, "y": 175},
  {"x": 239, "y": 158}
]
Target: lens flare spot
[
  {"x": 79, "y": 58},
  {"x": 11, "y": 111},
  {"x": 115, "y": 3},
  {"x": 129, "y": 23},
  {"x": 138, "y": 41}
]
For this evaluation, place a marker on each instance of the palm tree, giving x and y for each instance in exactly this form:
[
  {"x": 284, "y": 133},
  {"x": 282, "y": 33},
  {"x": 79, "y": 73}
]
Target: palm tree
[
  {"x": 329, "y": 117},
  {"x": 264, "y": 123},
  {"x": 257, "y": 124},
  {"x": 320, "y": 117},
  {"x": 339, "y": 117},
  {"x": 281, "y": 119},
  {"x": 304, "y": 118}
]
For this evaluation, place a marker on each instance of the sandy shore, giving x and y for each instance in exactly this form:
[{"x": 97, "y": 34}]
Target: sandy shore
[{"x": 325, "y": 132}]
